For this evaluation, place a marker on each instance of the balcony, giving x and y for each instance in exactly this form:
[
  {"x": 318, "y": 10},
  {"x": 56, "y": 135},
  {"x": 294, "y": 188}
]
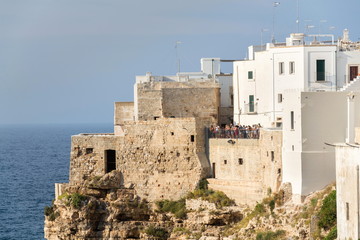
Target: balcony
[{"x": 251, "y": 108}]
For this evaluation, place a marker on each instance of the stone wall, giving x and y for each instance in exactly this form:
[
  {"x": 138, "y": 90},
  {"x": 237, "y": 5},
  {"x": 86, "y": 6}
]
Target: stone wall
[
  {"x": 163, "y": 158},
  {"x": 246, "y": 169},
  {"x": 177, "y": 99},
  {"x": 226, "y": 115},
  {"x": 123, "y": 111}
]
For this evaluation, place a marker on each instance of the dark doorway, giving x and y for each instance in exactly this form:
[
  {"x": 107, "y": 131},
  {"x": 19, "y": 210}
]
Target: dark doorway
[
  {"x": 110, "y": 160},
  {"x": 353, "y": 72},
  {"x": 213, "y": 170}
]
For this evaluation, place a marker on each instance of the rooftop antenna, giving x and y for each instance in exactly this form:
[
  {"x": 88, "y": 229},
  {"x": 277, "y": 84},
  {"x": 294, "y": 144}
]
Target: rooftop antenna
[
  {"x": 177, "y": 55},
  {"x": 261, "y": 36},
  {"x": 275, "y": 4},
  {"x": 298, "y": 19},
  {"x": 321, "y": 21}
]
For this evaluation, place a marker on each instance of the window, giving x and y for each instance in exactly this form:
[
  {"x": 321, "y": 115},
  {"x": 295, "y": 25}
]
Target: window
[
  {"x": 280, "y": 98},
  {"x": 272, "y": 156},
  {"x": 320, "y": 70},
  {"x": 292, "y": 120},
  {"x": 225, "y": 161},
  {"x": 250, "y": 75},
  {"x": 213, "y": 170},
  {"x": 241, "y": 161},
  {"x": 281, "y": 68},
  {"x": 89, "y": 150},
  {"x": 192, "y": 138},
  {"x": 172, "y": 133},
  {"x": 347, "y": 211},
  {"x": 292, "y": 67},
  {"x": 251, "y": 103}
]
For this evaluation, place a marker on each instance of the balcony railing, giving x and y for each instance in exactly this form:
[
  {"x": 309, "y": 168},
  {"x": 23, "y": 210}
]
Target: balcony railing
[{"x": 250, "y": 108}]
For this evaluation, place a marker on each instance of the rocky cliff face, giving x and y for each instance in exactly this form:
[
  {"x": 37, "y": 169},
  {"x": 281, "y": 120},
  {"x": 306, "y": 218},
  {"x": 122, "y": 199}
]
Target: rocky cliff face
[{"x": 102, "y": 211}]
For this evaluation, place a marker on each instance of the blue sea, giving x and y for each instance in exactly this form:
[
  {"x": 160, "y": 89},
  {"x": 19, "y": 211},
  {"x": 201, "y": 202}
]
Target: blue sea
[{"x": 32, "y": 159}]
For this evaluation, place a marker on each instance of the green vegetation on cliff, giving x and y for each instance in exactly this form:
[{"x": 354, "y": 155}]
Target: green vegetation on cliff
[
  {"x": 75, "y": 199},
  {"x": 204, "y": 193}
]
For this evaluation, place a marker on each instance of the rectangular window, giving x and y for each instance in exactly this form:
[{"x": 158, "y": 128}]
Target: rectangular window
[
  {"x": 347, "y": 211},
  {"x": 279, "y": 98},
  {"x": 281, "y": 68},
  {"x": 320, "y": 70},
  {"x": 292, "y": 67},
  {"x": 272, "y": 156},
  {"x": 292, "y": 119},
  {"x": 241, "y": 161},
  {"x": 251, "y": 103},
  {"x": 89, "y": 150},
  {"x": 192, "y": 138},
  {"x": 250, "y": 75},
  {"x": 225, "y": 161}
]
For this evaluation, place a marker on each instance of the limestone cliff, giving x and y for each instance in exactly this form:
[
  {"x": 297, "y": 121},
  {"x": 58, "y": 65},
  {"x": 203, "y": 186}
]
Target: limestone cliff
[{"x": 101, "y": 210}]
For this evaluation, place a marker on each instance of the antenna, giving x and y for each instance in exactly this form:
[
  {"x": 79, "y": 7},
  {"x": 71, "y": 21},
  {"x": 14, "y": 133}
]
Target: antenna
[
  {"x": 261, "y": 37},
  {"x": 177, "y": 55},
  {"x": 275, "y": 4},
  {"x": 298, "y": 19}
]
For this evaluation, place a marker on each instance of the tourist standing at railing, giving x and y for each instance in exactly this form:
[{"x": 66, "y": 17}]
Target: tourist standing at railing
[
  {"x": 230, "y": 131},
  {"x": 212, "y": 131}
]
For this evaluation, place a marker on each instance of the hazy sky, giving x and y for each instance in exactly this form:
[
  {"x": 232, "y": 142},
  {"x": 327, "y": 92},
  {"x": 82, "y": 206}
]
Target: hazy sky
[{"x": 67, "y": 61}]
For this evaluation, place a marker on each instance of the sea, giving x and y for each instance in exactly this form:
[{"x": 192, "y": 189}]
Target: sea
[{"x": 32, "y": 159}]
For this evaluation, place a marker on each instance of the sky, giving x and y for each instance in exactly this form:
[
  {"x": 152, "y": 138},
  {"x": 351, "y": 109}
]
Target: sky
[{"x": 68, "y": 61}]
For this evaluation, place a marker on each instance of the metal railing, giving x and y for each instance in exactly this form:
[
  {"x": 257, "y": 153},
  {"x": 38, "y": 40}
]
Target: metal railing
[
  {"x": 251, "y": 108},
  {"x": 245, "y": 132}
]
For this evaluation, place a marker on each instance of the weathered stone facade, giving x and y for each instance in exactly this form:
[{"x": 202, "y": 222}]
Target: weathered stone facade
[
  {"x": 177, "y": 99},
  {"x": 123, "y": 112},
  {"x": 162, "y": 158},
  {"x": 245, "y": 169}
]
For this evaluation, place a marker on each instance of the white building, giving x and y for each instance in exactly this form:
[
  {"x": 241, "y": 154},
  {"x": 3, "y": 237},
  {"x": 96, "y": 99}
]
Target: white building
[
  {"x": 347, "y": 174},
  {"x": 210, "y": 71},
  {"x": 260, "y": 81},
  {"x": 301, "y": 87}
]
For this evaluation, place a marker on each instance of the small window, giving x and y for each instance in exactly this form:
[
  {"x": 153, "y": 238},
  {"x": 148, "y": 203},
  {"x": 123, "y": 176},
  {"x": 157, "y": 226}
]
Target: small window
[
  {"x": 279, "y": 170},
  {"x": 347, "y": 211},
  {"x": 241, "y": 161},
  {"x": 172, "y": 133},
  {"x": 292, "y": 67},
  {"x": 155, "y": 118},
  {"x": 320, "y": 70},
  {"x": 250, "y": 75},
  {"x": 293, "y": 148},
  {"x": 225, "y": 161},
  {"x": 292, "y": 120},
  {"x": 280, "y": 98},
  {"x": 172, "y": 116},
  {"x": 89, "y": 150},
  {"x": 192, "y": 138},
  {"x": 281, "y": 68},
  {"x": 272, "y": 156}
]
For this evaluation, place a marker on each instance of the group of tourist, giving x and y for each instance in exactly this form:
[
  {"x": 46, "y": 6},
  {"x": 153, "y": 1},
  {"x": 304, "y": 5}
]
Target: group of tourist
[{"x": 237, "y": 131}]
